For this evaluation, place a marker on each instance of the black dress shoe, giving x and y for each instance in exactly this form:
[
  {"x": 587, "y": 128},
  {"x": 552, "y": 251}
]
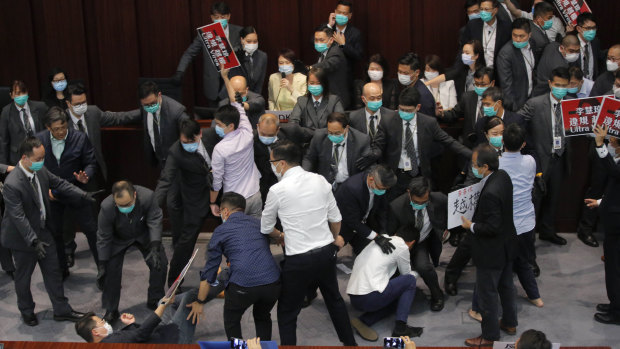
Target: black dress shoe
[
  {"x": 554, "y": 239},
  {"x": 30, "y": 320},
  {"x": 111, "y": 316},
  {"x": 450, "y": 288},
  {"x": 587, "y": 238},
  {"x": 603, "y": 308},
  {"x": 73, "y": 316},
  {"x": 437, "y": 304},
  {"x": 606, "y": 318},
  {"x": 70, "y": 260},
  {"x": 535, "y": 269},
  {"x": 408, "y": 331}
]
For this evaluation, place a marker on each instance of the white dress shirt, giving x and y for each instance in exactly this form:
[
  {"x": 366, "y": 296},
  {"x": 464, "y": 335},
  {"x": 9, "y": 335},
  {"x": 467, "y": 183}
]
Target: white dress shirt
[
  {"x": 554, "y": 102},
  {"x": 377, "y": 120},
  {"x": 343, "y": 170},
  {"x": 203, "y": 151},
  {"x": 28, "y": 115},
  {"x": 583, "y": 44},
  {"x": 528, "y": 57},
  {"x": 405, "y": 162},
  {"x": 30, "y": 175},
  {"x": 149, "y": 126},
  {"x": 373, "y": 268},
  {"x": 426, "y": 225},
  {"x": 305, "y": 204},
  {"x": 489, "y": 33},
  {"x": 76, "y": 119}
]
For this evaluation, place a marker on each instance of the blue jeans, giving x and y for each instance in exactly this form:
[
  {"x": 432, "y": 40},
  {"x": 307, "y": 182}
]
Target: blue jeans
[{"x": 397, "y": 296}]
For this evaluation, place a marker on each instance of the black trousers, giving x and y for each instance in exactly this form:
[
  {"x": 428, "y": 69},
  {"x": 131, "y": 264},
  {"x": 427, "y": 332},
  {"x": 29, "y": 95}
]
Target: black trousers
[
  {"x": 298, "y": 272},
  {"x": 184, "y": 246},
  {"x": 611, "y": 249},
  {"x": 459, "y": 259},
  {"x": 70, "y": 216},
  {"x": 174, "y": 205},
  {"x": 491, "y": 283},
  {"x": 554, "y": 179},
  {"x": 598, "y": 181},
  {"x": 111, "y": 295},
  {"x": 238, "y": 299},
  {"x": 25, "y": 263},
  {"x": 421, "y": 262},
  {"x": 6, "y": 259}
]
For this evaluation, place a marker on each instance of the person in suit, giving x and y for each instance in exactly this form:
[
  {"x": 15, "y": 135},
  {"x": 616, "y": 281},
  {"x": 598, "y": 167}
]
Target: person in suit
[
  {"x": 555, "y": 55},
  {"x": 493, "y": 247},
  {"x": 333, "y": 61},
  {"x": 579, "y": 87},
  {"x": 444, "y": 93},
  {"x": 555, "y": 30},
  {"x": 311, "y": 111},
  {"x": 493, "y": 105},
  {"x": 491, "y": 30},
  {"x": 605, "y": 81},
  {"x": 363, "y": 206},
  {"x": 368, "y": 118},
  {"x": 334, "y": 150},
  {"x": 405, "y": 144},
  {"x": 188, "y": 161},
  {"x": 377, "y": 72},
  {"x": 18, "y": 120},
  {"x": 551, "y": 150},
  {"x": 129, "y": 217},
  {"x": 590, "y": 56},
  {"x": 409, "y": 75},
  {"x": 422, "y": 214},
  {"x": 212, "y": 84},
  {"x": 57, "y": 84},
  {"x": 26, "y": 230},
  {"x": 253, "y": 103},
  {"x": 71, "y": 157},
  {"x": 541, "y": 22},
  {"x": 609, "y": 207},
  {"x": 6, "y": 258},
  {"x": 516, "y": 64},
  {"x": 287, "y": 84},
  {"x": 472, "y": 10},
  {"x": 253, "y": 61}
]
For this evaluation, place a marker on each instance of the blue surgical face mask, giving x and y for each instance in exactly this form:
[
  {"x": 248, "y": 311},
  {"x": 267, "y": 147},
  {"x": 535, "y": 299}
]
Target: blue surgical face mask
[
  {"x": 490, "y": 111},
  {"x": 267, "y": 140},
  {"x": 224, "y": 22},
  {"x": 476, "y": 173},
  {"x": 220, "y": 131},
  {"x": 486, "y": 16},
  {"x": 418, "y": 207},
  {"x": 336, "y": 138},
  {"x": 341, "y": 19},
  {"x": 244, "y": 98},
  {"x": 21, "y": 100},
  {"x": 374, "y": 105},
  {"x": 153, "y": 108},
  {"x": 126, "y": 210},
  {"x": 548, "y": 24},
  {"x": 285, "y": 68},
  {"x": 520, "y": 44},
  {"x": 59, "y": 85},
  {"x": 573, "y": 90},
  {"x": 467, "y": 59},
  {"x": 589, "y": 34},
  {"x": 190, "y": 147},
  {"x": 316, "y": 90},
  {"x": 378, "y": 192},
  {"x": 496, "y": 141},
  {"x": 480, "y": 90},
  {"x": 320, "y": 47},
  {"x": 474, "y": 16},
  {"x": 36, "y": 166},
  {"x": 559, "y": 92},
  {"x": 405, "y": 115}
]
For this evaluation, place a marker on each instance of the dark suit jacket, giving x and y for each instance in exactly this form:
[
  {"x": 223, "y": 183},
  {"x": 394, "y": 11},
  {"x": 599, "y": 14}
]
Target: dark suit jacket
[
  {"x": 353, "y": 48},
  {"x": 550, "y": 59},
  {"x": 319, "y": 155},
  {"x": 539, "y": 39},
  {"x": 458, "y": 73},
  {"x": 212, "y": 81},
  {"x": 466, "y": 108},
  {"x": 537, "y": 115},
  {"x": 22, "y": 223},
  {"x": 12, "y": 131},
  {"x": 508, "y": 117},
  {"x": 336, "y": 66},
  {"x": 196, "y": 181},
  {"x": 117, "y": 230},
  {"x": 353, "y": 198},
  {"x": 310, "y": 119},
  {"x": 210, "y": 139},
  {"x": 610, "y": 206},
  {"x": 512, "y": 73},
  {"x": 171, "y": 113},
  {"x": 357, "y": 118},
  {"x": 473, "y": 31},
  {"x": 402, "y": 217},
  {"x": 597, "y": 56},
  {"x": 95, "y": 119},
  {"x": 603, "y": 84},
  {"x": 391, "y": 90},
  {"x": 427, "y": 100},
  {"x": 254, "y": 73},
  {"x": 387, "y": 145},
  {"x": 148, "y": 332},
  {"x": 257, "y": 107}
]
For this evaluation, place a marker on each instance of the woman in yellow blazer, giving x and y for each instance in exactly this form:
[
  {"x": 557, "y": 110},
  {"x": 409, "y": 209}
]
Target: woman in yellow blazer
[{"x": 284, "y": 91}]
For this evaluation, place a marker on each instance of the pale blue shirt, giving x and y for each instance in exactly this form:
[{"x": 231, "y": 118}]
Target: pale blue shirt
[
  {"x": 522, "y": 171},
  {"x": 58, "y": 146}
]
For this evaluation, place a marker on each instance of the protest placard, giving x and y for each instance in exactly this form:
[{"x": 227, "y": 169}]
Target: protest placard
[
  {"x": 609, "y": 115},
  {"x": 217, "y": 45},
  {"x": 462, "y": 202},
  {"x": 570, "y": 9},
  {"x": 579, "y": 115}
]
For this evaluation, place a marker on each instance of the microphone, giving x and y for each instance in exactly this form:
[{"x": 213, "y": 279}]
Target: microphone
[{"x": 283, "y": 75}]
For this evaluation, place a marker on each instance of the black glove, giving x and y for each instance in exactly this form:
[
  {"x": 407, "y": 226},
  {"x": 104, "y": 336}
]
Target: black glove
[
  {"x": 386, "y": 246},
  {"x": 153, "y": 256},
  {"x": 539, "y": 184},
  {"x": 363, "y": 162},
  {"x": 90, "y": 196},
  {"x": 39, "y": 248},
  {"x": 238, "y": 97},
  {"x": 177, "y": 77},
  {"x": 101, "y": 271}
]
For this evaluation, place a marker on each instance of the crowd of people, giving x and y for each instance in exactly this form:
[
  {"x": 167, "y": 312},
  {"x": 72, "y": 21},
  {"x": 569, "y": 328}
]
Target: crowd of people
[{"x": 353, "y": 165}]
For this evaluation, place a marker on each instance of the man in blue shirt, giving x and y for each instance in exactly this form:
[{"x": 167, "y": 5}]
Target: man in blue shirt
[{"x": 254, "y": 274}]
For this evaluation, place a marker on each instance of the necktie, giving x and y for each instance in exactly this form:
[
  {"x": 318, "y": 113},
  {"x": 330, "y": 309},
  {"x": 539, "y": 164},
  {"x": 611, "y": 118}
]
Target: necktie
[
  {"x": 156, "y": 137},
  {"x": 410, "y": 149},
  {"x": 316, "y": 105},
  {"x": 419, "y": 221},
  {"x": 480, "y": 111},
  {"x": 558, "y": 128},
  {"x": 334, "y": 162},
  {"x": 80, "y": 126},
  {"x": 371, "y": 127},
  {"x": 586, "y": 61},
  {"x": 37, "y": 194},
  {"x": 26, "y": 121}
]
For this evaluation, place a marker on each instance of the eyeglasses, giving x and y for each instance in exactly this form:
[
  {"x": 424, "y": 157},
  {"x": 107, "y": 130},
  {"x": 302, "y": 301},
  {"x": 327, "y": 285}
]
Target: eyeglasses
[
  {"x": 276, "y": 160},
  {"x": 589, "y": 28}
]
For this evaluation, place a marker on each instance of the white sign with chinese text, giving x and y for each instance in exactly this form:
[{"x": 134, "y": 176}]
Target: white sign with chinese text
[{"x": 462, "y": 202}]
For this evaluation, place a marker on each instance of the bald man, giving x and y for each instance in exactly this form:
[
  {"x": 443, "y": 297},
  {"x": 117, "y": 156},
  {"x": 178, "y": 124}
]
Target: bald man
[
  {"x": 605, "y": 82},
  {"x": 253, "y": 103},
  {"x": 554, "y": 56},
  {"x": 367, "y": 119}
]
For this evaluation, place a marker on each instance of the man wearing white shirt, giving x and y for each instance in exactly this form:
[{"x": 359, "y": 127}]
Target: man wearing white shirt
[{"x": 305, "y": 205}]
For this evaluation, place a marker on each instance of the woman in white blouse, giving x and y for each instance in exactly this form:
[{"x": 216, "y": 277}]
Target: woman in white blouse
[
  {"x": 286, "y": 86},
  {"x": 445, "y": 92}
]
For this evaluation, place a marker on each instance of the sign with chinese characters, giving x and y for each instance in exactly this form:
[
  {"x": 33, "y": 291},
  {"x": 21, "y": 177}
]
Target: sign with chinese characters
[
  {"x": 218, "y": 46},
  {"x": 609, "y": 116},
  {"x": 579, "y": 115},
  {"x": 283, "y": 115},
  {"x": 462, "y": 202},
  {"x": 570, "y": 9}
]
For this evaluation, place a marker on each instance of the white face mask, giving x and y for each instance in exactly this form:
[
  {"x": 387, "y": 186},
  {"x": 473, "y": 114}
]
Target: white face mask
[
  {"x": 250, "y": 48},
  {"x": 80, "y": 109},
  {"x": 612, "y": 66},
  {"x": 375, "y": 75},
  {"x": 572, "y": 57},
  {"x": 404, "y": 79},
  {"x": 430, "y": 75},
  {"x": 275, "y": 172},
  {"x": 108, "y": 328}
]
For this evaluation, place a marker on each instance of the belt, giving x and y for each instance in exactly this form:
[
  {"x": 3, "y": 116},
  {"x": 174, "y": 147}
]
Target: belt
[{"x": 314, "y": 250}]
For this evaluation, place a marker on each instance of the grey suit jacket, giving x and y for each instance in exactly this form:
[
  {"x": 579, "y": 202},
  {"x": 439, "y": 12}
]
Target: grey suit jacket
[
  {"x": 336, "y": 66},
  {"x": 357, "y": 119},
  {"x": 95, "y": 119},
  {"x": 551, "y": 59},
  {"x": 539, "y": 38},
  {"x": 512, "y": 72},
  {"x": 210, "y": 75},
  {"x": 117, "y": 230},
  {"x": 12, "y": 131},
  {"x": 22, "y": 223},
  {"x": 319, "y": 156},
  {"x": 310, "y": 119},
  {"x": 257, "y": 106}
]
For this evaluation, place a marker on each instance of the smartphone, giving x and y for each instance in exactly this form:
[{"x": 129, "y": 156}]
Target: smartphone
[
  {"x": 236, "y": 343},
  {"x": 393, "y": 342}
]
